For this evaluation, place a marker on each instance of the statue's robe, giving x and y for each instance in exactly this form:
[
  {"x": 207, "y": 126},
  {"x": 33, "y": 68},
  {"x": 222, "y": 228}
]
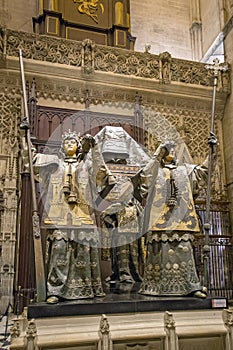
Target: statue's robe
[
  {"x": 72, "y": 255},
  {"x": 121, "y": 229}
]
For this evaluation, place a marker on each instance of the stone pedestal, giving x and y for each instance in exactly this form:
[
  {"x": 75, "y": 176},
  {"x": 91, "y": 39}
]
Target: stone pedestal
[{"x": 196, "y": 329}]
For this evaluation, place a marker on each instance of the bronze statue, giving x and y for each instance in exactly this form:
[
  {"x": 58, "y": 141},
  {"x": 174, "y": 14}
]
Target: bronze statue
[
  {"x": 170, "y": 222},
  {"x": 121, "y": 211},
  {"x": 71, "y": 183}
]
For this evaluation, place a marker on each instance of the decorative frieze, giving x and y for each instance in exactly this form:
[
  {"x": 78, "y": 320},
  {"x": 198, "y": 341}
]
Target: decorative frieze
[
  {"x": 177, "y": 125},
  {"x": 107, "y": 59},
  {"x": 10, "y": 108}
]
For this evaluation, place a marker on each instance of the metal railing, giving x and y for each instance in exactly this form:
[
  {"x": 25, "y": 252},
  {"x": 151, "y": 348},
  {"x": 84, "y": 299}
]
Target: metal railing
[{"x": 221, "y": 255}]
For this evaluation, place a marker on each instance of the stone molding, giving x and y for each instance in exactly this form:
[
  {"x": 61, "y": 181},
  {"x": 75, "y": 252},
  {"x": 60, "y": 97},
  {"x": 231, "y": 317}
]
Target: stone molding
[
  {"x": 91, "y": 57},
  {"x": 144, "y": 331}
]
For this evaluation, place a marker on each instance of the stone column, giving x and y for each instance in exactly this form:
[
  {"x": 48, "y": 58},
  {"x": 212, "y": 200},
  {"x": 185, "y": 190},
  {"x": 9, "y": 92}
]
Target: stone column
[
  {"x": 171, "y": 342},
  {"x": 105, "y": 342},
  {"x": 227, "y": 316},
  {"x": 30, "y": 339},
  {"x": 196, "y": 30}
]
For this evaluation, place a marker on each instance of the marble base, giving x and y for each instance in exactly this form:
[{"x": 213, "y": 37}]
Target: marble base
[{"x": 119, "y": 298}]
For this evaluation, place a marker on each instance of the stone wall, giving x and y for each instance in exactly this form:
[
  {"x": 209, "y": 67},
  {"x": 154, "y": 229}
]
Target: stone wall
[
  {"x": 162, "y": 24},
  {"x": 17, "y": 14},
  {"x": 211, "y": 26}
]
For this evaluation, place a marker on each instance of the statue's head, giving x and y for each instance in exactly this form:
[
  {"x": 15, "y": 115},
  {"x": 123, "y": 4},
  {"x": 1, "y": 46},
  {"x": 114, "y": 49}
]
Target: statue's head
[
  {"x": 71, "y": 144},
  {"x": 170, "y": 156}
]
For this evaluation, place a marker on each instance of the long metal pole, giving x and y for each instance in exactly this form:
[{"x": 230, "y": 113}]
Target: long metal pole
[
  {"x": 207, "y": 225},
  {"x": 39, "y": 261},
  {"x": 216, "y": 67}
]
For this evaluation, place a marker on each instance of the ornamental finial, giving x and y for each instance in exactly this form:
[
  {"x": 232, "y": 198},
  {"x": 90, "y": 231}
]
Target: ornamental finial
[{"x": 216, "y": 67}]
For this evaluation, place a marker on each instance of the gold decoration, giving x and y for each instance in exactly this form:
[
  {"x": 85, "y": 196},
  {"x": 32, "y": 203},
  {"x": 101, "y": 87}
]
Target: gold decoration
[{"x": 89, "y": 8}]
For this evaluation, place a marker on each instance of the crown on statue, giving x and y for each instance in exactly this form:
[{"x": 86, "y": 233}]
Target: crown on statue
[
  {"x": 169, "y": 144},
  {"x": 70, "y": 135}
]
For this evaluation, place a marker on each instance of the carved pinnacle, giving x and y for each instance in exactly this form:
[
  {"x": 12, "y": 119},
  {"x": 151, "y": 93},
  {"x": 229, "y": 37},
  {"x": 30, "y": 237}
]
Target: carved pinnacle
[
  {"x": 104, "y": 325},
  {"x": 169, "y": 321}
]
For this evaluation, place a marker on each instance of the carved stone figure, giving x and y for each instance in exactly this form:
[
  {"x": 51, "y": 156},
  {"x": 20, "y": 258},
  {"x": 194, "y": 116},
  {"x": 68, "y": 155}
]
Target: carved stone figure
[
  {"x": 121, "y": 211},
  {"x": 170, "y": 221},
  {"x": 70, "y": 184},
  {"x": 165, "y": 67}
]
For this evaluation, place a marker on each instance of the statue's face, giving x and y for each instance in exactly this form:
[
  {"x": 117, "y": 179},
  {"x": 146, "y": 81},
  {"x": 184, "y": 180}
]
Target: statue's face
[
  {"x": 171, "y": 155},
  {"x": 70, "y": 147}
]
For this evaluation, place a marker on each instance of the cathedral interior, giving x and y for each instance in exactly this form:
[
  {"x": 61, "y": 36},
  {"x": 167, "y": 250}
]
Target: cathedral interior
[{"x": 160, "y": 70}]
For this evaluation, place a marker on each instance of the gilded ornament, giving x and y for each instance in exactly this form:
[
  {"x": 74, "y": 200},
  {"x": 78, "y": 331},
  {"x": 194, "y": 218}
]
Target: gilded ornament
[
  {"x": 175, "y": 266},
  {"x": 185, "y": 249},
  {"x": 89, "y": 8},
  {"x": 150, "y": 267}
]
